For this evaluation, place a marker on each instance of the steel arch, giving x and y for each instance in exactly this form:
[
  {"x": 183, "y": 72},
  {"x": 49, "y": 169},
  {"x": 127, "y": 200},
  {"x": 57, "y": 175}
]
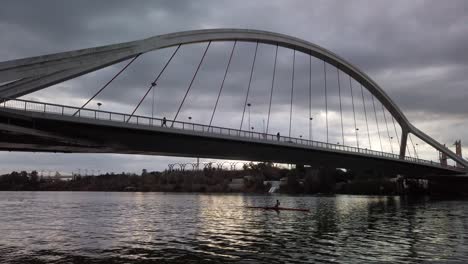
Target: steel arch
[{"x": 27, "y": 75}]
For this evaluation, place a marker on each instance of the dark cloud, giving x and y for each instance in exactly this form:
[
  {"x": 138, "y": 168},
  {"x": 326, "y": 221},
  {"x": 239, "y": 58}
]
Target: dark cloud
[{"x": 417, "y": 51}]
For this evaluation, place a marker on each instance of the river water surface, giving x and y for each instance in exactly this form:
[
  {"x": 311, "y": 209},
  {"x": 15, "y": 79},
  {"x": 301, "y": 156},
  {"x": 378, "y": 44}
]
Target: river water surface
[{"x": 92, "y": 227}]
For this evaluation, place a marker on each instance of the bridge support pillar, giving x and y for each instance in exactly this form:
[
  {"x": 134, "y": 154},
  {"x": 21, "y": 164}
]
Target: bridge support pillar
[{"x": 404, "y": 139}]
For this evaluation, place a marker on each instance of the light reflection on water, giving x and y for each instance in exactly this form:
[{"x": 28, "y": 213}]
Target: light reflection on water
[{"x": 63, "y": 227}]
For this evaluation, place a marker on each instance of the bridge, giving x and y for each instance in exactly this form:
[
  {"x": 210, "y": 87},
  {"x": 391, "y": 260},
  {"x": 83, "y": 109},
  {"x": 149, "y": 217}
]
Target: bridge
[{"x": 30, "y": 125}]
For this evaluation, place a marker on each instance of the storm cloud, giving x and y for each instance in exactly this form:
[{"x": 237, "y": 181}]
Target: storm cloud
[{"x": 417, "y": 51}]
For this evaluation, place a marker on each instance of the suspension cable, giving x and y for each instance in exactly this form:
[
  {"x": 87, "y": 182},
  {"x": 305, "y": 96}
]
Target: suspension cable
[
  {"x": 107, "y": 84},
  {"x": 365, "y": 115},
  {"x": 248, "y": 87},
  {"x": 407, "y": 148},
  {"x": 396, "y": 131},
  {"x": 191, "y": 82},
  {"x": 292, "y": 92},
  {"x": 310, "y": 97},
  {"x": 271, "y": 93},
  {"x": 415, "y": 151},
  {"x": 388, "y": 131},
  {"x": 377, "y": 122},
  {"x": 152, "y": 106},
  {"x": 153, "y": 85},
  {"x": 354, "y": 112},
  {"x": 326, "y": 100},
  {"x": 341, "y": 109},
  {"x": 222, "y": 84}
]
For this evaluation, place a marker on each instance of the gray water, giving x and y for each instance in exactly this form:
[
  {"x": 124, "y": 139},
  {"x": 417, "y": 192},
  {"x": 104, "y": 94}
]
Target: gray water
[{"x": 90, "y": 227}]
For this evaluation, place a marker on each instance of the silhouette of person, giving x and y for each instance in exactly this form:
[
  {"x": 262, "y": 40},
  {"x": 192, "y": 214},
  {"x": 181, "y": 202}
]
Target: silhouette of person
[
  {"x": 164, "y": 122},
  {"x": 278, "y": 136},
  {"x": 277, "y": 204}
]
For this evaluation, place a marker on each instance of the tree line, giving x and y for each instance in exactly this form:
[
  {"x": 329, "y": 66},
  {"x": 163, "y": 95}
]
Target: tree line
[{"x": 298, "y": 180}]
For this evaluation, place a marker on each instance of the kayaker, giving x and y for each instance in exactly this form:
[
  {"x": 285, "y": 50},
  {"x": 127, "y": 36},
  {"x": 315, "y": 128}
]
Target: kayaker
[{"x": 277, "y": 204}]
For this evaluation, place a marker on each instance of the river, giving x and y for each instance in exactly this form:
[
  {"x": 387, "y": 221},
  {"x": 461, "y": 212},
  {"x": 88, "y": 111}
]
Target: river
[{"x": 94, "y": 227}]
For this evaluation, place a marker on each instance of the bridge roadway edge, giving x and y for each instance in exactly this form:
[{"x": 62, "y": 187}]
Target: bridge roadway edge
[{"x": 130, "y": 138}]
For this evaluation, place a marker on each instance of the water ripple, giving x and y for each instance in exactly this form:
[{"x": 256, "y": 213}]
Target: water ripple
[{"x": 61, "y": 227}]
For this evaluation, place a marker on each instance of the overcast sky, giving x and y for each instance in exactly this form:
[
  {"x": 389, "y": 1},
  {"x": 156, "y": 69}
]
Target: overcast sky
[{"x": 416, "y": 50}]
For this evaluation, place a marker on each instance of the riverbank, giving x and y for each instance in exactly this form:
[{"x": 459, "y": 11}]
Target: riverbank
[{"x": 255, "y": 178}]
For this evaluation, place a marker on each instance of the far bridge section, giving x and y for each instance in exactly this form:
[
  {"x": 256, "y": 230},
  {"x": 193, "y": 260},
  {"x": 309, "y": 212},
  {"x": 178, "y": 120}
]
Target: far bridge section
[{"x": 34, "y": 126}]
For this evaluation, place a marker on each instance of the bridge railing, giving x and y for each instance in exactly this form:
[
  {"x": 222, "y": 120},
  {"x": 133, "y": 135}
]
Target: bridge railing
[{"x": 27, "y": 105}]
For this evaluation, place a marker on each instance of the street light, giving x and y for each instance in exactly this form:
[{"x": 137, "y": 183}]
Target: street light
[
  {"x": 99, "y": 108},
  {"x": 311, "y": 136},
  {"x": 391, "y": 143},
  {"x": 249, "y": 112},
  {"x": 193, "y": 127},
  {"x": 357, "y": 138}
]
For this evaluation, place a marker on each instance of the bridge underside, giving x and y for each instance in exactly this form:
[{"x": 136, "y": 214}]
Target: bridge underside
[{"x": 39, "y": 132}]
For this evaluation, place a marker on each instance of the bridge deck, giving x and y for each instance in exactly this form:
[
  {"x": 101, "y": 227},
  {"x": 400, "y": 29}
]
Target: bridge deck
[{"x": 87, "y": 120}]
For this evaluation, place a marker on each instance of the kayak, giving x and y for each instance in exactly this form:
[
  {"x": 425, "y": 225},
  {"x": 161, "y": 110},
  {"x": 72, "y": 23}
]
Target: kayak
[{"x": 278, "y": 208}]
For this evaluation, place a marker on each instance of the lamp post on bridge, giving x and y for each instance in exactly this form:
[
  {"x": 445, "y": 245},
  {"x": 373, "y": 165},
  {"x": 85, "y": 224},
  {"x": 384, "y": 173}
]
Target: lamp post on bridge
[
  {"x": 198, "y": 158},
  {"x": 190, "y": 121},
  {"x": 249, "y": 104},
  {"x": 99, "y": 108},
  {"x": 311, "y": 136},
  {"x": 391, "y": 144},
  {"x": 357, "y": 137}
]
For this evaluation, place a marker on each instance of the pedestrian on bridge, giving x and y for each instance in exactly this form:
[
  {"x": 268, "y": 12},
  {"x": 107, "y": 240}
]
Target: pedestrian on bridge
[
  {"x": 278, "y": 136},
  {"x": 164, "y": 121}
]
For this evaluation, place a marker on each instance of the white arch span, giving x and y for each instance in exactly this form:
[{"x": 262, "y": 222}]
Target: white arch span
[{"x": 27, "y": 75}]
